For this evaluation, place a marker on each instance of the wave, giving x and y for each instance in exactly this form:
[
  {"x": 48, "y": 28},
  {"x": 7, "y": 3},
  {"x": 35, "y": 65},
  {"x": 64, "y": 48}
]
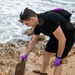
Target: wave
[{"x": 11, "y": 28}]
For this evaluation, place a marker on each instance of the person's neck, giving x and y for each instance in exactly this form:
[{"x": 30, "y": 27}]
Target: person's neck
[{"x": 37, "y": 21}]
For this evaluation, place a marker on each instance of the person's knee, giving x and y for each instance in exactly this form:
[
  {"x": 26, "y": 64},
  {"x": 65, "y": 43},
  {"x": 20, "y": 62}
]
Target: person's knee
[{"x": 47, "y": 54}]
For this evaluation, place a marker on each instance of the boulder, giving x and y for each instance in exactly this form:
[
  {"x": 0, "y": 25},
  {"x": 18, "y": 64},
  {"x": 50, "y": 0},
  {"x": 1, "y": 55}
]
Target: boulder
[{"x": 29, "y": 32}]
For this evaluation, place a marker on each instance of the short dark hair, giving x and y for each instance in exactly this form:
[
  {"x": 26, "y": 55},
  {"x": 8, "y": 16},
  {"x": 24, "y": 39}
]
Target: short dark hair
[{"x": 27, "y": 14}]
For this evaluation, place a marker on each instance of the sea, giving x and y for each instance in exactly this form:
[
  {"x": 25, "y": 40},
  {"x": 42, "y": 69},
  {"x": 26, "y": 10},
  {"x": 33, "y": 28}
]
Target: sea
[{"x": 11, "y": 29}]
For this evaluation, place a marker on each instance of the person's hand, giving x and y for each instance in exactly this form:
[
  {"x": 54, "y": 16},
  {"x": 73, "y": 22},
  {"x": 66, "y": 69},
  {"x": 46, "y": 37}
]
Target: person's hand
[
  {"x": 57, "y": 61},
  {"x": 24, "y": 57}
]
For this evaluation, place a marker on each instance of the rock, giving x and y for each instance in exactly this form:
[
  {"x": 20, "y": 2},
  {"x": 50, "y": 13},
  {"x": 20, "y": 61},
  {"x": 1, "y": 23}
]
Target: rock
[
  {"x": 74, "y": 23},
  {"x": 11, "y": 51},
  {"x": 7, "y": 71},
  {"x": 29, "y": 32},
  {"x": 3, "y": 62},
  {"x": 1, "y": 45},
  {"x": 10, "y": 44},
  {"x": 73, "y": 11},
  {"x": 42, "y": 37},
  {"x": 22, "y": 42}
]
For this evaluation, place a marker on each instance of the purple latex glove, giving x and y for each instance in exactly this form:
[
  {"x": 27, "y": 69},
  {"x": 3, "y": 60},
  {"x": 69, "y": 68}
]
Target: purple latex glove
[
  {"x": 24, "y": 57},
  {"x": 57, "y": 61}
]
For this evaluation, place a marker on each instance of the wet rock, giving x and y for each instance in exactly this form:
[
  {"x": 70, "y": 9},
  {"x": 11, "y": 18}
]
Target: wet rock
[
  {"x": 73, "y": 11},
  {"x": 29, "y": 32},
  {"x": 10, "y": 44},
  {"x": 42, "y": 37},
  {"x": 22, "y": 42},
  {"x": 74, "y": 23},
  {"x": 1, "y": 45}
]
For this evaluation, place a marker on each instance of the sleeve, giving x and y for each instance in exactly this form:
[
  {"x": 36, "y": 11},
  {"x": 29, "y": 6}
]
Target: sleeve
[
  {"x": 52, "y": 23},
  {"x": 37, "y": 30}
]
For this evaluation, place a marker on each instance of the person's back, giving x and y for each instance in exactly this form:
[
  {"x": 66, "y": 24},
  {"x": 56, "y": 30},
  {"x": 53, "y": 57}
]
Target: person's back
[
  {"x": 60, "y": 18},
  {"x": 65, "y": 13},
  {"x": 48, "y": 16}
]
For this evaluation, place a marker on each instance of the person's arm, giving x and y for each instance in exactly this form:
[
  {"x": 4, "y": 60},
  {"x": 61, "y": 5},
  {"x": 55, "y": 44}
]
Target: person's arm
[
  {"x": 58, "y": 33},
  {"x": 32, "y": 43},
  {"x": 30, "y": 47}
]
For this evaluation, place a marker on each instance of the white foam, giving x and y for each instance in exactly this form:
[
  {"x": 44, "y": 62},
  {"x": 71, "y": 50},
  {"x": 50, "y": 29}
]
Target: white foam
[{"x": 11, "y": 28}]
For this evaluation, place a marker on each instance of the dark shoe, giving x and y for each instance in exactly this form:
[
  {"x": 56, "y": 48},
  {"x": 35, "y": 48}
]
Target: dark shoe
[{"x": 38, "y": 72}]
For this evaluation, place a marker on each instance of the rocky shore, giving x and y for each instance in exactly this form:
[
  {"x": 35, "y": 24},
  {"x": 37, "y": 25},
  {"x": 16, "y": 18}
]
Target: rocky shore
[{"x": 10, "y": 53}]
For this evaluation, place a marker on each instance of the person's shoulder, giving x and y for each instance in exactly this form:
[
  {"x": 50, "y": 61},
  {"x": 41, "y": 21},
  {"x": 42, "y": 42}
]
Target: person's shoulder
[
  {"x": 48, "y": 14},
  {"x": 40, "y": 14},
  {"x": 45, "y": 14}
]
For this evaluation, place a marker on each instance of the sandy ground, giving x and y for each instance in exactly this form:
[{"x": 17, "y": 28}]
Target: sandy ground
[
  {"x": 10, "y": 53},
  {"x": 68, "y": 68}
]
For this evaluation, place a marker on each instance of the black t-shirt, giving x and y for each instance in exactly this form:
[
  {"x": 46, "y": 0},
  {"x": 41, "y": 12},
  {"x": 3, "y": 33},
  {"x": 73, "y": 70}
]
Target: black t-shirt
[{"x": 48, "y": 23}]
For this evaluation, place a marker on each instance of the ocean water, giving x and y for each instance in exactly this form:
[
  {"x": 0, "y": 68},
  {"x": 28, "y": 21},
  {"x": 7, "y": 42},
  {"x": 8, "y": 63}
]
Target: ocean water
[{"x": 12, "y": 29}]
